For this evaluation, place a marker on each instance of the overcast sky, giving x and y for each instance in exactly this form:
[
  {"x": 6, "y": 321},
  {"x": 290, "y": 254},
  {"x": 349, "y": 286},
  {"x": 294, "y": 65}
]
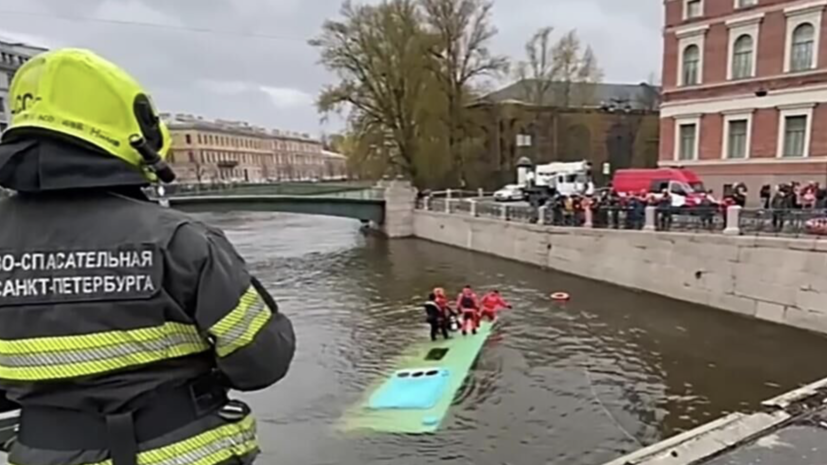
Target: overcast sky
[{"x": 273, "y": 81}]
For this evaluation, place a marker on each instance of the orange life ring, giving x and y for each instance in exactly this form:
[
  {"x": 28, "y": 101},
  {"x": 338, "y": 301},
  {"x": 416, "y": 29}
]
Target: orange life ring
[{"x": 560, "y": 296}]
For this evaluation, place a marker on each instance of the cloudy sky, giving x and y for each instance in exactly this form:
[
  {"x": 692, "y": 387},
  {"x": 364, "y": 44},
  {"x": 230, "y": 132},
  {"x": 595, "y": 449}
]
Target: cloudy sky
[{"x": 249, "y": 59}]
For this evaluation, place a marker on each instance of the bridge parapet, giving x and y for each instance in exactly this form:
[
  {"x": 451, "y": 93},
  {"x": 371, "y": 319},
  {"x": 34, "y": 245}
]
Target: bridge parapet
[{"x": 281, "y": 188}]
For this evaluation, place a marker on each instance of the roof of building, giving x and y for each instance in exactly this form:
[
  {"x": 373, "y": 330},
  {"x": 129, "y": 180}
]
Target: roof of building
[
  {"x": 638, "y": 96},
  {"x": 21, "y": 47},
  {"x": 15, "y": 53},
  {"x": 187, "y": 121}
]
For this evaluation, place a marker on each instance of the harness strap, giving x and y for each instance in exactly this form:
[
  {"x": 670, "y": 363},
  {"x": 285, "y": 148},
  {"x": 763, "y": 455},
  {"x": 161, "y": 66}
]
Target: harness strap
[
  {"x": 61, "y": 429},
  {"x": 123, "y": 447}
]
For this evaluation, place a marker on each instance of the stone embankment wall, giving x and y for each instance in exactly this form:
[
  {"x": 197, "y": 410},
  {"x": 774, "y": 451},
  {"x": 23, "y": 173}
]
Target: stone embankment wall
[{"x": 773, "y": 279}]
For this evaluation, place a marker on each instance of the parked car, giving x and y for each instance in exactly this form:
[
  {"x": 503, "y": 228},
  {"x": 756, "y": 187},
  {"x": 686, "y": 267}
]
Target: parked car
[{"x": 509, "y": 193}]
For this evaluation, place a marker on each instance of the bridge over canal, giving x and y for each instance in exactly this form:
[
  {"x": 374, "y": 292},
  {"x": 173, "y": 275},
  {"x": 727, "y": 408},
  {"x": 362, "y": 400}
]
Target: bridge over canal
[{"x": 387, "y": 205}]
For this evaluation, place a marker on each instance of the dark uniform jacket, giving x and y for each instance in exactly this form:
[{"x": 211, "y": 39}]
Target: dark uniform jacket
[{"x": 109, "y": 301}]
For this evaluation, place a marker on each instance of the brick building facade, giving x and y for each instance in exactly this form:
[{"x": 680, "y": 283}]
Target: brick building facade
[
  {"x": 745, "y": 90},
  {"x": 611, "y": 125}
]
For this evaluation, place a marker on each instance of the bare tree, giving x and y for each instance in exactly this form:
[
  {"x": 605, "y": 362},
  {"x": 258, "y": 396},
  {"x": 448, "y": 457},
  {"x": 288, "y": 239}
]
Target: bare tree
[
  {"x": 535, "y": 73},
  {"x": 463, "y": 30},
  {"x": 576, "y": 72}
]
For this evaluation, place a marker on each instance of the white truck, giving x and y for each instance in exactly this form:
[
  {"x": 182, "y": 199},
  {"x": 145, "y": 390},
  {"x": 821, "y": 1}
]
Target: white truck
[{"x": 543, "y": 182}]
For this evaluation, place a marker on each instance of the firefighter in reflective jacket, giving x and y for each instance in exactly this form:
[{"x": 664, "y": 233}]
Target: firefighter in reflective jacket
[{"x": 123, "y": 325}]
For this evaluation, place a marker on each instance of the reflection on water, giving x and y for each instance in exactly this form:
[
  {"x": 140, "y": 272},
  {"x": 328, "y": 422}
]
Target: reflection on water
[{"x": 561, "y": 384}]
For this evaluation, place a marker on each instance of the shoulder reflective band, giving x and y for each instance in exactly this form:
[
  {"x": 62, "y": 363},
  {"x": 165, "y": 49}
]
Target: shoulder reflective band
[
  {"x": 215, "y": 446},
  {"x": 241, "y": 325},
  {"x": 51, "y": 358}
]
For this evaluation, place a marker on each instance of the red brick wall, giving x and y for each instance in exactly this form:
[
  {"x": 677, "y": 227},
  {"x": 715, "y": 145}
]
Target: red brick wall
[
  {"x": 711, "y": 137},
  {"x": 770, "y": 54},
  {"x": 771, "y": 38},
  {"x": 716, "y": 8},
  {"x": 764, "y": 133},
  {"x": 667, "y": 139},
  {"x": 673, "y": 12},
  {"x": 670, "y": 61},
  {"x": 744, "y": 88},
  {"x": 818, "y": 134},
  {"x": 715, "y": 53},
  {"x": 822, "y": 50}
]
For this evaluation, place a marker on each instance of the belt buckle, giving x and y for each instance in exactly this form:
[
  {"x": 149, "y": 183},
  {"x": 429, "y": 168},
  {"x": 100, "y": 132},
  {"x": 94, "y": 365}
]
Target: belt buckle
[{"x": 234, "y": 411}]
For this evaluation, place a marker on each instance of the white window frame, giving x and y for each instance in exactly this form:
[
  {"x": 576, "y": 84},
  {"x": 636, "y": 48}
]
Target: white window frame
[
  {"x": 796, "y": 16},
  {"x": 686, "y": 10},
  {"x": 683, "y": 121},
  {"x": 737, "y": 4},
  {"x": 794, "y": 110},
  {"x": 692, "y": 36},
  {"x": 740, "y": 115},
  {"x": 750, "y": 26}
]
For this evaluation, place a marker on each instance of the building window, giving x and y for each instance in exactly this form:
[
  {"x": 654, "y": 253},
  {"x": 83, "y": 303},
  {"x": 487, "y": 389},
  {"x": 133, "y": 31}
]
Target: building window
[
  {"x": 188, "y": 139},
  {"x": 688, "y": 141},
  {"x": 742, "y": 57},
  {"x": 691, "y": 65},
  {"x": 795, "y": 136},
  {"x": 693, "y": 9},
  {"x": 737, "y": 139},
  {"x": 745, "y": 3},
  {"x": 801, "y": 52}
]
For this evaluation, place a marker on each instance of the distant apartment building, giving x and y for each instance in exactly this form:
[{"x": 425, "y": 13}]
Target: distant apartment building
[
  {"x": 231, "y": 151},
  {"x": 12, "y": 57},
  {"x": 745, "y": 90}
]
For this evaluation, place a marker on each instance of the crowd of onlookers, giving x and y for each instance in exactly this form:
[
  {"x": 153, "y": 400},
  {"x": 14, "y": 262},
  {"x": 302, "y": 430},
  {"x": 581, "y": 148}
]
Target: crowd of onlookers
[
  {"x": 794, "y": 196},
  {"x": 613, "y": 210}
]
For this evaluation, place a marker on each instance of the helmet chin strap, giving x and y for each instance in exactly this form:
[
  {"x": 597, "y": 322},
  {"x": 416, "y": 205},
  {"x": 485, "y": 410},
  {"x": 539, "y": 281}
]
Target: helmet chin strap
[{"x": 152, "y": 159}]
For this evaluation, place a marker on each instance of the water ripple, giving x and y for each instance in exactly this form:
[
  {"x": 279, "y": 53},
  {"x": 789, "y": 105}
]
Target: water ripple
[{"x": 579, "y": 382}]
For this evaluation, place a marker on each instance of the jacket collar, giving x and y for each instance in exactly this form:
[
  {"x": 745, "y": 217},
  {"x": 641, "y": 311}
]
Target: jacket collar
[{"x": 36, "y": 164}]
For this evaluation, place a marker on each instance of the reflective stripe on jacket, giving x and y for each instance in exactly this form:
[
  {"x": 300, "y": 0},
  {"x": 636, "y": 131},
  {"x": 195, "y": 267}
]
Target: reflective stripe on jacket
[{"x": 116, "y": 298}]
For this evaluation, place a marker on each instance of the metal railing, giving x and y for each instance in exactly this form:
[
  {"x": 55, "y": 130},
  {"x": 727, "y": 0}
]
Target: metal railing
[
  {"x": 373, "y": 193},
  {"x": 491, "y": 210},
  {"x": 461, "y": 194},
  {"x": 279, "y": 188},
  {"x": 790, "y": 223},
  {"x": 698, "y": 219},
  {"x": 459, "y": 206},
  {"x": 618, "y": 217}
]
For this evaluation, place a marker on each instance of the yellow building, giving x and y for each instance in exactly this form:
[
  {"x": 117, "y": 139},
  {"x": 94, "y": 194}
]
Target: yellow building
[{"x": 206, "y": 151}]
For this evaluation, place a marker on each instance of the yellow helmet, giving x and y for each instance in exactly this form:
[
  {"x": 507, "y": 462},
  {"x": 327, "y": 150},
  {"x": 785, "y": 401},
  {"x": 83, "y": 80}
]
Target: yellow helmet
[{"x": 77, "y": 93}]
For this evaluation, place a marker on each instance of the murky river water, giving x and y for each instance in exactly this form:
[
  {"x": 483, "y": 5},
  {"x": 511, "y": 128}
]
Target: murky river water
[{"x": 579, "y": 383}]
